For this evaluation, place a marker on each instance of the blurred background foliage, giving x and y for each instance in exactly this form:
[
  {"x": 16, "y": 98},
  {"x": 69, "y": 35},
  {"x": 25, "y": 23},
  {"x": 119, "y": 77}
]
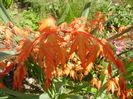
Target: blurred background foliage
[{"x": 27, "y": 13}]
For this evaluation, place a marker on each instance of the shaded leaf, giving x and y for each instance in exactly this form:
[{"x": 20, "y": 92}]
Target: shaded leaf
[
  {"x": 6, "y": 54},
  {"x": 79, "y": 88},
  {"x": 3, "y": 14}
]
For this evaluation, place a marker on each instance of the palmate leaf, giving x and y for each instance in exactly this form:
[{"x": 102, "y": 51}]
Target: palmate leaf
[
  {"x": 80, "y": 43},
  {"x": 6, "y": 54},
  {"x": 50, "y": 48}
]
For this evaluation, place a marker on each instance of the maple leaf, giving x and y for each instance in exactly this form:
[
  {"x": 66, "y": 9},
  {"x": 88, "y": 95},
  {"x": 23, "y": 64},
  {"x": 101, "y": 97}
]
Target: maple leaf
[
  {"x": 59, "y": 72},
  {"x": 109, "y": 55},
  {"x": 66, "y": 71},
  {"x": 52, "y": 40},
  {"x": 97, "y": 21},
  {"x": 19, "y": 74},
  {"x": 82, "y": 44},
  {"x": 73, "y": 74},
  {"x": 123, "y": 88},
  {"x": 111, "y": 85},
  {"x": 96, "y": 82},
  {"x": 47, "y": 24},
  {"x": 50, "y": 48},
  {"x": 93, "y": 54},
  {"x": 81, "y": 76},
  {"x": 49, "y": 74}
]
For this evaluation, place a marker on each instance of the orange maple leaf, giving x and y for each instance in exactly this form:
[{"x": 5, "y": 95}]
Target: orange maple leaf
[
  {"x": 19, "y": 74},
  {"x": 111, "y": 85},
  {"x": 47, "y": 24},
  {"x": 50, "y": 48},
  {"x": 97, "y": 83},
  {"x": 82, "y": 44}
]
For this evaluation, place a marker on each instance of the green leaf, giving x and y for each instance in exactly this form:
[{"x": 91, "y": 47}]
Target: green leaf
[
  {"x": 4, "y": 97},
  {"x": 66, "y": 96},
  {"x": 104, "y": 64},
  {"x": 62, "y": 96},
  {"x": 86, "y": 10},
  {"x": 3, "y": 14},
  {"x": 79, "y": 88},
  {"x": 43, "y": 96},
  {"x": 129, "y": 67},
  {"x": 64, "y": 15},
  {"x": 17, "y": 95},
  {"x": 6, "y": 54},
  {"x": 75, "y": 97},
  {"x": 129, "y": 86}
]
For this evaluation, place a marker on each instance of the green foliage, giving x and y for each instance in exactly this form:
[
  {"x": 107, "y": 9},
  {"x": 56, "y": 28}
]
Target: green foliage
[
  {"x": 28, "y": 18},
  {"x": 76, "y": 9},
  {"x": 3, "y": 14},
  {"x": 59, "y": 8},
  {"x": 7, "y": 3},
  {"x": 129, "y": 76},
  {"x": 6, "y": 93},
  {"x": 124, "y": 15},
  {"x": 46, "y": 8}
]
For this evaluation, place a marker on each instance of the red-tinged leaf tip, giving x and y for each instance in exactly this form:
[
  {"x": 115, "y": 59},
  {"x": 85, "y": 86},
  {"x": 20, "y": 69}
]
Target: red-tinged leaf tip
[
  {"x": 46, "y": 23},
  {"x": 109, "y": 69},
  {"x": 73, "y": 74},
  {"x": 111, "y": 85},
  {"x": 130, "y": 60},
  {"x": 121, "y": 65},
  {"x": 122, "y": 28},
  {"x": 81, "y": 76},
  {"x": 99, "y": 66},
  {"x": 97, "y": 83},
  {"x": 18, "y": 77},
  {"x": 94, "y": 81},
  {"x": 47, "y": 83},
  {"x": 1, "y": 85},
  {"x": 123, "y": 88}
]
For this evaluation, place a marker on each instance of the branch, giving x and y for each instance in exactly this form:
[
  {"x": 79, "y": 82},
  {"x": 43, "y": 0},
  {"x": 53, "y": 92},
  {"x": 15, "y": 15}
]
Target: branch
[
  {"x": 118, "y": 35},
  {"x": 125, "y": 51}
]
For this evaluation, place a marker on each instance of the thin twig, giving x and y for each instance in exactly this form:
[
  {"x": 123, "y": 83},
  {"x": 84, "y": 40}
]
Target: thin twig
[
  {"x": 125, "y": 51},
  {"x": 118, "y": 35}
]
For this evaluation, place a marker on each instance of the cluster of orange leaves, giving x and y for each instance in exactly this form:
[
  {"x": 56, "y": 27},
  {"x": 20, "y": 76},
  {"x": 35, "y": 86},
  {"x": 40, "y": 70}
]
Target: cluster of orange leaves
[{"x": 53, "y": 45}]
